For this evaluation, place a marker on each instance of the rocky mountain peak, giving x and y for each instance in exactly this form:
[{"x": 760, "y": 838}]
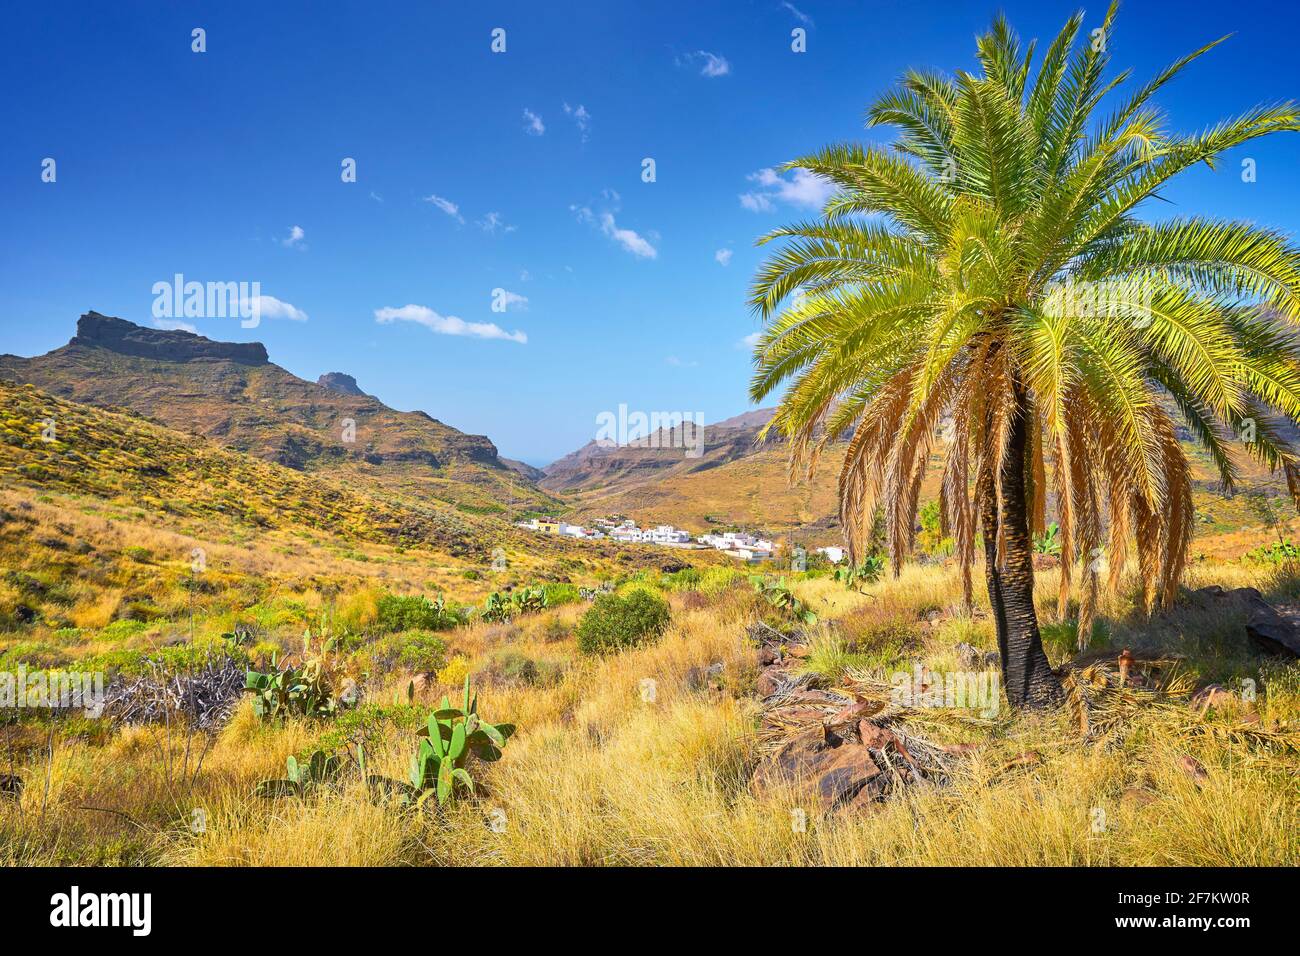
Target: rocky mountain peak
[
  {"x": 340, "y": 382},
  {"x": 126, "y": 338}
]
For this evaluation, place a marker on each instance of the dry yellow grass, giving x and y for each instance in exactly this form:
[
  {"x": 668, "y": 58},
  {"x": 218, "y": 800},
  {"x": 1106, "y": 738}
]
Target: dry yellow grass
[{"x": 600, "y": 775}]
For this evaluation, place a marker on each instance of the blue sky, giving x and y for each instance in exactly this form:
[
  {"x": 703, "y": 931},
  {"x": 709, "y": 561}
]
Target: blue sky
[{"x": 225, "y": 166}]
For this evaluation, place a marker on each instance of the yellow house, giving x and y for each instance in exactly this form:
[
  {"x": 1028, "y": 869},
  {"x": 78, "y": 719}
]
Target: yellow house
[{"x": 549, "y": 525}]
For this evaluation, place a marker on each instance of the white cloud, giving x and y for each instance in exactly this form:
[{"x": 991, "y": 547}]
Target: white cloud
[
  {"x": 533, "y": 124},
  {"x": 174, "y": 325},
  {"x": 750, "y": 340},
  {"x": 712, "y": 64},
  {"x": 376, "y": 197},
  {"x": 509, "y": 300},
  {"x": 802, "y": 188},
  {"x": 723, "y": 256},
  {"x": 294, "y": 240},
  {"x": 446, "y": 324},
  {"x": 799, "y": 14},
  {"x": 581, "y": 117},
  {"x": 629, "y": 239},
  {"x": 525, "y": 275},
  {"x": 492, "y": 223},
  {"x": 447, "y": 206},
  {"x": 269, "y": 307}
]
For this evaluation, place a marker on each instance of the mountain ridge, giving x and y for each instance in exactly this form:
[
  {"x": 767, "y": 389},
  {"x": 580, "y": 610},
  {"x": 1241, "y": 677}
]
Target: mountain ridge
[{"x": 233, "y": 394}]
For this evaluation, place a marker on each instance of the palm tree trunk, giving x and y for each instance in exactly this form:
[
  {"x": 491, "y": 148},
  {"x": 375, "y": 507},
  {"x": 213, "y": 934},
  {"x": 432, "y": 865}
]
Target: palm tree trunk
[{"x": 1026, "y": 674}]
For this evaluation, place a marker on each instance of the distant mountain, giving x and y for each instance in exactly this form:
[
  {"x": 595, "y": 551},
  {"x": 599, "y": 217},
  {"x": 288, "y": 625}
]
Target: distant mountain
[
  {"x": 339, "y": 382},
  {"x": 665, "y": 452},
  {"x": 233, "y": 394},
  {"x": 733, "y": 482}
]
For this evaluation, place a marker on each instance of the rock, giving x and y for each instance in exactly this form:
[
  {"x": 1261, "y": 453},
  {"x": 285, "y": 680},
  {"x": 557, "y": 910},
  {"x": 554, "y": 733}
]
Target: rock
[
  {"x": 1045, "y": 562},
  {"x": 767, "y": 655},
  {"x": 126, "y": 338},
  {"x": 798, "y": 651},
  {"x": 1271, "y": 633},
  {"x": 822, "y": 766},
  {"x": 849, "y": 770},
  {"x": 875, "y": 736},
  {"x": 771, "y": 680},
  {"x": 1194, "y": 769},
  {"x": 339, "y": 382},
  {"x": 969, "y": 656}
]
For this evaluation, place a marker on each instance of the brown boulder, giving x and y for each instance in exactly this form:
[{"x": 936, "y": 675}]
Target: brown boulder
[
  {"x": 822, "y": 766},
  {"x": 768, "y": 655},
  {"x": 875, "y": 736},
  {"x": 771, "y": 680}
]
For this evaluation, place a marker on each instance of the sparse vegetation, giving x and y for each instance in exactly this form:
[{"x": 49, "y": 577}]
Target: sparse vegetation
[{"x": 616, "y": 623}]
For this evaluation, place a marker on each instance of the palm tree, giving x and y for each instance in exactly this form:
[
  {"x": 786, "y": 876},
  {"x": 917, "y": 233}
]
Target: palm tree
[{"x": 985, "y": 292}]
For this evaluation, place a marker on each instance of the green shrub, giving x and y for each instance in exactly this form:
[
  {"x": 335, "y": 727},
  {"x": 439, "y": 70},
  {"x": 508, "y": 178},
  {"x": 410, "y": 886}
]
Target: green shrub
[
  {"x": 557, "y": 594},
  {"x": 1279, "y": 552},
  {"x": 397, "y": 613},
  {"x": 683, "y": 580},
  {"x": 422, "y": 652},
  {"x": 34, "y": 656},
  {"x": 715, "y": 580},
  {"x": 615, "y": 622},
  {"x": 121, "y": 630}
]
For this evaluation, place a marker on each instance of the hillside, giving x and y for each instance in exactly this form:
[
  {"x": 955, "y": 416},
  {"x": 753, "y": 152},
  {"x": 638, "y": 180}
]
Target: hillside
[
  {"x": 167, "y": 479},
  {"x": 735, "y": 481},
  {"x": 232, "y": 394},
  {"x": 656, "y": 456}
]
